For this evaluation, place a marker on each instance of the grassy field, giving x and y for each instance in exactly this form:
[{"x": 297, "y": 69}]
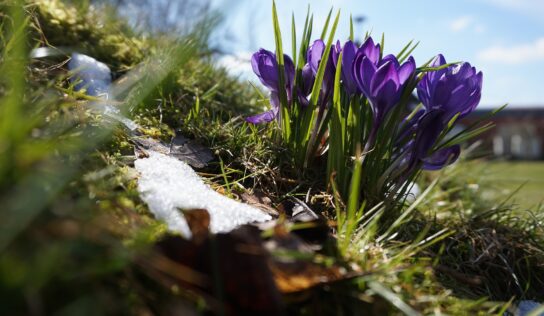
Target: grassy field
[{"x": 527, "y": 176}]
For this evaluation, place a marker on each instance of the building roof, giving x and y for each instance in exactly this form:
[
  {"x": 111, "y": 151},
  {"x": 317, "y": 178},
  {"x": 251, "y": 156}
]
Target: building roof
[{"x": 511, "y": 112}]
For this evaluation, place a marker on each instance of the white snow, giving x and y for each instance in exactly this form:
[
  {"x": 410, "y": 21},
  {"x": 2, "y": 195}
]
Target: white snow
[
  {"x": 90, "y": 74},
  {"x": 95, "y": 77},
  {"x": 413, "y": 193},
  {"x": 167, "y": 185},
  {"x": 526, "y": 308}
]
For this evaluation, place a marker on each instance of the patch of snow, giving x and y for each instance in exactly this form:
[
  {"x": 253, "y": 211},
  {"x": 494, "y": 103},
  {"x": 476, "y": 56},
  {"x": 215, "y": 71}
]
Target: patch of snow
[
  {"x": 95, "y": 78},
  {"x": 167, "y": 185},
  {"x": 413, "y": 193},
  {"x": 90, "y": 74},
  {"x": 528, "y": 308}
]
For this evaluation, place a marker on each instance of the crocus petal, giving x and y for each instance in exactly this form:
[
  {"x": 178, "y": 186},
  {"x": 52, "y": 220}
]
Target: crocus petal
[
  {"x": 462, "y": 71},
  {"x": 441, "y": 94},
  {"x": 337, "y": 49},
  {"x": 363, "y": 70},
  {"x": 442, "y": 158},
  {"x": 302, "y": 99},
  {"x": 371, "y": 51},
  {"x": 265, "y": 67},
  {"x": 429, "y": 81},
  {"x": 430, "y": 126},
  {"x": 409, "y": 126},
  {"x": 406, "y": 70},
  {"x": 289, "y": 68},
  {"x": 315, "y": 51},
  {"x": 383, "y": 75},
  {"x": 384, "y": 100},
  {"x": 348, "y": 57},
  {"x": 314, "y": 56},
  {"x": 455, "y": 89},
  {"x": 389, "y": 58},
  {"x": 439, "y": 60},
  {"x": 308, "y": 79},
  {"x": 264, "y": 117}
]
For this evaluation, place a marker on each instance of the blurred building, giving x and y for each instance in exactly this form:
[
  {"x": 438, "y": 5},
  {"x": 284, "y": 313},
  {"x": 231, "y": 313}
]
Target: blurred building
[{"x": 518, "y": 133}]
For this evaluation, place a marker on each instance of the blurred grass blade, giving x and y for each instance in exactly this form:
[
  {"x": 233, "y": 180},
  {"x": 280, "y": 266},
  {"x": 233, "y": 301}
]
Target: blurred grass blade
[
  {"x": 392, "y": 298},
  {"x": 34, "y": 192}
]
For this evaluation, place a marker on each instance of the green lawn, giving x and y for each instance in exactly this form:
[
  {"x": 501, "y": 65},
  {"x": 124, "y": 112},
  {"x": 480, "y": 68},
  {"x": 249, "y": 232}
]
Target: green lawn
[{"x": 509, "y": 176}]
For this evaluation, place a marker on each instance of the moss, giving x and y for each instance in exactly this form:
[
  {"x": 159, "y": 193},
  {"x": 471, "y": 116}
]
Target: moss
[{"x": 88, "y": 31}]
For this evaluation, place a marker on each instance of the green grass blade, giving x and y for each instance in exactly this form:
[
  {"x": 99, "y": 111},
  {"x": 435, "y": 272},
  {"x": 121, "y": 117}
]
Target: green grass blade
[
  {"x": 326, "y": 26},
  {"x": 305, "y": 41},
  {"x": 285, "y": 119},
  {"x": 350, "y": 27},
  {"x": 428, "y": 69},
  {"x": 322, "y": 65},
  {"x": 336, "y": 144},
  {"x": 404, "y": 49},
  {"x": 382, "y": 45},
  {"x": 393, "y": 298},
  {"x": 355, "y": 186},
  {"x": 294, "y": 39},
  {"x": 408, "y": 53}
]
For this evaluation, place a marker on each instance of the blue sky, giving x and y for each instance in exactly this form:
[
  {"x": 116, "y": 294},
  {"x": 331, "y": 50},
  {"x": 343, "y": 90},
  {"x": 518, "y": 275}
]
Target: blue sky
[{"x": 503, "y": 38}]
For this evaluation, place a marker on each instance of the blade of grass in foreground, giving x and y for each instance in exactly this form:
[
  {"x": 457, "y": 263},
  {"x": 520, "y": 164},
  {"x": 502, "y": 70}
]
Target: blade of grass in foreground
[
  {"x": 393, "y": 298},
  {"x": 284, "y": 110},
  {"x": 354, "y": 210}
]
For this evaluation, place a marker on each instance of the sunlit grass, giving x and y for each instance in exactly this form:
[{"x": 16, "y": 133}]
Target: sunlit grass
[{"x": 526, "y": 178}]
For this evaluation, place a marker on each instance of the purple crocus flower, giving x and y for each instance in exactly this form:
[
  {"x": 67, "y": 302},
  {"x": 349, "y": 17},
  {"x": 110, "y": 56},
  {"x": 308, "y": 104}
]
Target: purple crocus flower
[
  {"x": 428, "y": 128},
  {"x": 409, "y": 126},
  {"x": 269, "y": 115},
  {"x": 445, "y": 93},
  {"x": 382, "y": 81},
  {"x": 314, "y": 55},
  {"x": 370, "y": 50},
  {"x": 265, "y": 66},
  {"x": 452, "y": 90},
  {"x": 349, "y": 51},
  {"x": 441, "y": 158},
  {"x": 308, "y": 78}
]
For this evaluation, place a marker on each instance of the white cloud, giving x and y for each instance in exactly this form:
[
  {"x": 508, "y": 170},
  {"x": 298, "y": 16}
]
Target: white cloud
[
  {"x": 461, "y": 23},
  {"x": 523, "y": 53},
  {"x": 466, "y": 23}
]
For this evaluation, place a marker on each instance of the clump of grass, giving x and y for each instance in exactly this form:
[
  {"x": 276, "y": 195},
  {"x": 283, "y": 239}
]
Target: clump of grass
[{"x": 495, "y": 250}]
